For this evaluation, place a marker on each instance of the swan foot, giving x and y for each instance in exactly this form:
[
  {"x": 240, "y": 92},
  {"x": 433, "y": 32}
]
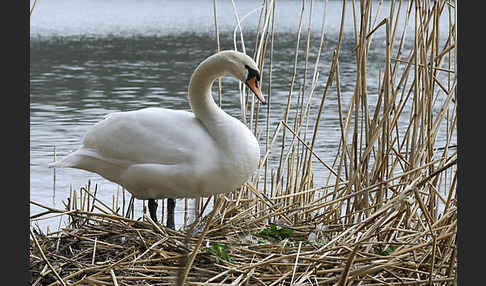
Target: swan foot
[
  {"x": 170, "y": 213},
  {"x": 152, "y": 206}
]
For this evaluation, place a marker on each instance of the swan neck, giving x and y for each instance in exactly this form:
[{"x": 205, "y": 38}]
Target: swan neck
[{"x": 202, "y": 79}]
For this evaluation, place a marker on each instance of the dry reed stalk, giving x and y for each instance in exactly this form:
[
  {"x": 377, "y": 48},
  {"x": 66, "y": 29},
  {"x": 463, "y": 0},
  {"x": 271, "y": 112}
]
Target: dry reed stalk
[{"x": 269, "y": 98}]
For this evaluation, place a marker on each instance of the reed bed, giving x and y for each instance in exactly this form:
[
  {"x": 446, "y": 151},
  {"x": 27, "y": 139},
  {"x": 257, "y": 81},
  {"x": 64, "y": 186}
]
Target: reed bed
[{"x": 386, "y": 214}]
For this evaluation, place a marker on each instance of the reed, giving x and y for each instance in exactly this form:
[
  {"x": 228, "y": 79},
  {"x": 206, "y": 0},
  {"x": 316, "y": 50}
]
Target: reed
[{"x": 386, "y": 214}]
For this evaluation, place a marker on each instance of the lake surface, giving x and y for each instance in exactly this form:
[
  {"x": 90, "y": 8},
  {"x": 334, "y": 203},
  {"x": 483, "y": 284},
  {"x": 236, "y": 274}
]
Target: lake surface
[{"x": 90, "y": 58}]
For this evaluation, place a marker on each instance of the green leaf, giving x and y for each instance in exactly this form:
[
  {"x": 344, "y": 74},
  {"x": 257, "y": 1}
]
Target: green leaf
[
  {"x": 275, "y": 233},
  {"x": 221, "y": 251},
  {"x": 386, "y": 251}
]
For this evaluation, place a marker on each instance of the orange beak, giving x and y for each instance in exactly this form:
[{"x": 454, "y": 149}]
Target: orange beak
[{"x": 254, "y": 85}]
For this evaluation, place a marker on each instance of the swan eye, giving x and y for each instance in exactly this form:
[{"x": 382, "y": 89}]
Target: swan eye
[{"x": 252, "y": 73}]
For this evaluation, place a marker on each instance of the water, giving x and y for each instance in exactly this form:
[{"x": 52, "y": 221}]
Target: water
[{"x": 90, "y": 58}]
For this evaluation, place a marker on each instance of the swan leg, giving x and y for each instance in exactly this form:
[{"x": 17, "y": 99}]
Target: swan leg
[
  {"x": 152, "y": 206},
  {"x": 130, "y": 207},
  {"x": 170, "y": 213}
]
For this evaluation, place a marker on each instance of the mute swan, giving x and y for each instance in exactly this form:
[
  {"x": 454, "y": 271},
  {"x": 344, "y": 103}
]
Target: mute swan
[{"x": 158, "y": 153}]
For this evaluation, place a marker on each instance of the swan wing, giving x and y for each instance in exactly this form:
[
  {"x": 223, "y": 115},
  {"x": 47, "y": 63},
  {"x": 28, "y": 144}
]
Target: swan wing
[{"x": 150, "y": 135}]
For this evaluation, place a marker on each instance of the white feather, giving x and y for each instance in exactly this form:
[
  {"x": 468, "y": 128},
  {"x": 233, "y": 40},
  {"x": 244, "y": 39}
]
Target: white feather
[{"x": 162, "y": 153}]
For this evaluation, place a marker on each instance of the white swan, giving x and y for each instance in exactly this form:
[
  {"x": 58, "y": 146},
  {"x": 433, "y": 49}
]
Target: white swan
[{"x": 158, "y": 153}]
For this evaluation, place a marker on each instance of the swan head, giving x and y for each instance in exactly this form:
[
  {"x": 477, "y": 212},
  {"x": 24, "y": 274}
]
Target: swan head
[{"x": 245, "y": 69}]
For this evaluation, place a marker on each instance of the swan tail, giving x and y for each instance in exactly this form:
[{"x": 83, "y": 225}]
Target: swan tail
[
  {"x": 70, "y": 161},
  {"x": 88, "y": 160}
]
